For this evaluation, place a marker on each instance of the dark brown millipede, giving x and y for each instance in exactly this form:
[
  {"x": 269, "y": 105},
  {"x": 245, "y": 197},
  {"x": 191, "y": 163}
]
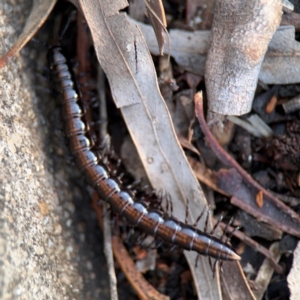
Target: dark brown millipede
[{"x": 153, "y": 222}]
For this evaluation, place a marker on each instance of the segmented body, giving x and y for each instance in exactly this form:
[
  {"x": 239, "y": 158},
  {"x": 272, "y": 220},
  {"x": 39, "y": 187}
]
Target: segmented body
[{"x": 153, "y": 222}]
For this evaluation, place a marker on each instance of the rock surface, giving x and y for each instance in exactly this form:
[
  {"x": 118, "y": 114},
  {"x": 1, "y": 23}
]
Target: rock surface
[{"x": 50, "y": 244}]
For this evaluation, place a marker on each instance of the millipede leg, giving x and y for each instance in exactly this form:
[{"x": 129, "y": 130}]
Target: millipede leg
[
  {"x": 226, "y": 228},
  {"x": 187, "y": 211},
  {"x": 217, "y": 224},
  {"x": 199, "y": 218},
  {"x": 206, "y": 220}
]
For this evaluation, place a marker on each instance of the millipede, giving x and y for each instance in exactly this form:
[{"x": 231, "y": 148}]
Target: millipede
[{"x": 110, "y": 189}]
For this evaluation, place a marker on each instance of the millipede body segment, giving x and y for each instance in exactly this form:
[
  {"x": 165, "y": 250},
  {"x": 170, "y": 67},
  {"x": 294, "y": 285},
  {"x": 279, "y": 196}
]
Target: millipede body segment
[{"x": 153, "y": 222}]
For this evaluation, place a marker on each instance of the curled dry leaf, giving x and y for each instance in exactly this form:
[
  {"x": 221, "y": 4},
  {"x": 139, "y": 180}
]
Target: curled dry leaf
[
  {"x": 39, "y": 13},
  {"x": 156, "y": 14},
  {"x": 124, "y": 56},
  {"x": 241, "y": 33}
]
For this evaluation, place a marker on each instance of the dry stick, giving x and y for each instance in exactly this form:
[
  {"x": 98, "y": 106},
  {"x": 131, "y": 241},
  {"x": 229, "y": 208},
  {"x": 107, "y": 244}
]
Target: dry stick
[
  {"x": 227, "y": 159},
  {"x": 102, "y": 107},
  {"x": 105, "y": 225},
  {"x": 292, "y": 105},
  {"x": 109, "y": 253},
  {"x": 250, "y": 242},
  {"x": 137, "y": 281},
  {"x": 265, "y": 272}
]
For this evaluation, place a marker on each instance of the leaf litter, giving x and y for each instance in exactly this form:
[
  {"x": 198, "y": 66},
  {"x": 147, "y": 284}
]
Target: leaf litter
[{"x": 135, "y": 90}]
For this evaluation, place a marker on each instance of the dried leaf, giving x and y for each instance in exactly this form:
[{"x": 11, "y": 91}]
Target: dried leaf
[
  {"x": 137, "y": 10},
  {"x": 253, "y": 228},
  {"x": 185, "y": 143},
  {"x": 38, "y": 15},
  {"x": 234, "y": 283},
  {"x": 189, "y": 49},
  {"x": 282, "y": 64},
  {"x": 205, "y": 175},
  {"x": 273, "y": 211},
  {"x": 156, "y": 14},
  {"x": 124, "y": 56}
]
